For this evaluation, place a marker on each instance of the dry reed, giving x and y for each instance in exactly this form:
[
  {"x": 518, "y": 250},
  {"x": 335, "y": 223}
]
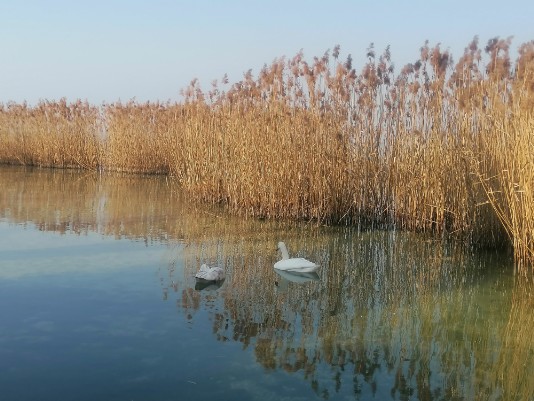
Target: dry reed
[
  {"x": 51, "y": 134},
  {"x": 440, "y": 147}
]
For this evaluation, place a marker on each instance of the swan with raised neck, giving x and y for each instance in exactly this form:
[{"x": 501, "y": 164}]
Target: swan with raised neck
[
  {"x": 282, "y": 248},
  {"x": 295, "y": 265}
]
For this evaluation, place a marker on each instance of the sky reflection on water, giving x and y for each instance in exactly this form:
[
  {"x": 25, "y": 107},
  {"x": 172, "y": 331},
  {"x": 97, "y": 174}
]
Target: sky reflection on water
[{"x": 98, "y": 301}]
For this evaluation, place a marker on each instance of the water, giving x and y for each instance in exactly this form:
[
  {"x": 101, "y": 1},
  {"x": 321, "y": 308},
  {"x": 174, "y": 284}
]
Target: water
[{"x": 98, "y": 301}]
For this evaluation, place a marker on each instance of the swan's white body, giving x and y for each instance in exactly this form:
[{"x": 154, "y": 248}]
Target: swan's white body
[
  {"x": 210, "y": 273},
  {"x": 295, "y": 265}
]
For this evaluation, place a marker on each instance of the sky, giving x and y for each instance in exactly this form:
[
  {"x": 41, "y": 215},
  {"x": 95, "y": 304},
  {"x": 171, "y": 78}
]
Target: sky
[{"x": 109, "y": 50}]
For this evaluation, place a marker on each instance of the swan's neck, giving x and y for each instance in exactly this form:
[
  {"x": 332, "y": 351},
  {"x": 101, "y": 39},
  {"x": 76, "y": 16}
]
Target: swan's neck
[{"x": 283, "y": 249}]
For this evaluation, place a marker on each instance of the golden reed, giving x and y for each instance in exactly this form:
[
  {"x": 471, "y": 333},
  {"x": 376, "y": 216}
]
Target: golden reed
[{"x": 441, "y": 147}]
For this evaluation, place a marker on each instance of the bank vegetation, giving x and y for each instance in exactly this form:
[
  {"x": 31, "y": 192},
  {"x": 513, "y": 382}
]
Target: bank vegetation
[{"x": 441, "y": 147}]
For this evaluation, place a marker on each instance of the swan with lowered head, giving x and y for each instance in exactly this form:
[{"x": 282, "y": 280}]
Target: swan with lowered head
[
  {"x": 295, "y": 265},
  {"x": 210, "y": 273}
]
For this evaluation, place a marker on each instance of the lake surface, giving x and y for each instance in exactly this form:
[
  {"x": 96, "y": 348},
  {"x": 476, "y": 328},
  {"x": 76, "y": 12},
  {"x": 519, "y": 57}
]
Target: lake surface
[{"x": 98, "y": 301}]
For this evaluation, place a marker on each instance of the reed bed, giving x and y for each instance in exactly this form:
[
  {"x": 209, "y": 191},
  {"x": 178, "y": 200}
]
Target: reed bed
[
  {"x": 439, "y": 147},
  {"x": 51, "y": 134}
]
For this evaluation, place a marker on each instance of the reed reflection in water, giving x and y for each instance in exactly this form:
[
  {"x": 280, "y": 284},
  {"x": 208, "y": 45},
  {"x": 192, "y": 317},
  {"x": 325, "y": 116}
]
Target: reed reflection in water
[
  {"x": 389, "y": 316},
  {"x": 392, "y": 316}
]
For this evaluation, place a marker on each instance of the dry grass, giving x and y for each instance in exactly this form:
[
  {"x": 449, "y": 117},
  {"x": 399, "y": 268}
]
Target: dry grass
[
  {"x": 51, "y": 134},
  {"x": 505, "y": 169},
  {"x": 441, "y": 147}
]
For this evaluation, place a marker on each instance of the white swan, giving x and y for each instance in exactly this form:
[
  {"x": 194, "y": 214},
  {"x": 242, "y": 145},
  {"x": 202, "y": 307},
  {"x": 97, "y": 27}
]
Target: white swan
[
  {"x": 295, "y": 265},
  {"x": 210, "y": 273}
]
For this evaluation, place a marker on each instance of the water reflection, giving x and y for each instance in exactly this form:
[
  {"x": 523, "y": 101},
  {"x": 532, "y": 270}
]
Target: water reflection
[
  {"x": 388, "y": 316},
  {"x": 289, "y": 277}
]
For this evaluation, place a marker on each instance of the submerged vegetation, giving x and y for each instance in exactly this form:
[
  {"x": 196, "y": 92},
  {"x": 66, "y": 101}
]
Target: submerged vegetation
[{"x": 442, "y": 147}]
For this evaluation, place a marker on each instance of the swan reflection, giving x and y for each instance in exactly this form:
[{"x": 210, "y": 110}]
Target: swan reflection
[{"x": 205, "y": 285}]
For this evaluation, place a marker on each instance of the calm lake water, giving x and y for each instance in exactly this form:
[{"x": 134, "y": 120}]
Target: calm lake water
[{"x": 98, "y": 301}]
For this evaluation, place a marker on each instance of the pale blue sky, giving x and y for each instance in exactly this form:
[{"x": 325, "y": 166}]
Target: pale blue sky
[{"x": 106, "y": 50}]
